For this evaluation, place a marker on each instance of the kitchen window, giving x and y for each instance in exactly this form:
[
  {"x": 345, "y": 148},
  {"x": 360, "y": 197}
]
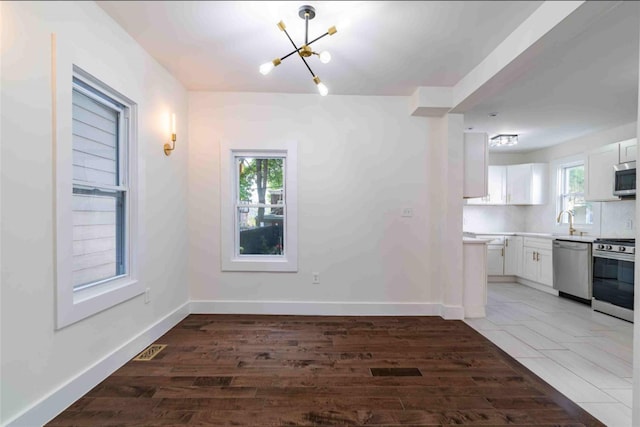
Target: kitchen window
[
  {"x": 571, "y": 194},
  {"x": 259, "y": 212},
  {"x": 96, "y": 204}
]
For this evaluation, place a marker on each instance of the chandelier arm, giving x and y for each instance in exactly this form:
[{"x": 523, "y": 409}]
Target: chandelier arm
[
  {"x": 305, "y": 63},
  {"x": 289, "y": 37},
  {"x": 289, "y": 54},
  {"x": 317, "y": 38}
]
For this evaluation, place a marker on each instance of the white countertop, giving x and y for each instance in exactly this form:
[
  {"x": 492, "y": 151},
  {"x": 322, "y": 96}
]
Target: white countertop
[
  {"x": 475, "y": 240},
  {"x": 575, "y": 238}
]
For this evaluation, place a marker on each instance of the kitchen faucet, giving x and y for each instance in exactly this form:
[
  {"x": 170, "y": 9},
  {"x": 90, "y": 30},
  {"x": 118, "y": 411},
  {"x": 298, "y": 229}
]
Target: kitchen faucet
[{"x": 570, "y": 213}]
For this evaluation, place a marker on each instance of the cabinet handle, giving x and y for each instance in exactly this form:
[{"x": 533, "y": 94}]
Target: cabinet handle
[
  {"x": 534, "y": 255},
  {"x": 502, "y": 252},
  {"x": 506, "y": 242},
  {"x": 537, "y": 256}
]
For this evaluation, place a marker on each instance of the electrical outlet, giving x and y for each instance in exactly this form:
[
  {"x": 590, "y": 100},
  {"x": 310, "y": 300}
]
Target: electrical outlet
[
  {"x": 407, "y": 212},
  {"x": 315, "y": 278},
  {"x": 629, "y": 224},
  {"x": 147, "y": 295}
]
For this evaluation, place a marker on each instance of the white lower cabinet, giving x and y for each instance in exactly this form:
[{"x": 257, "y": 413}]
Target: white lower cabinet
[
  {"x": 537, "y": 260},
  {"x": 495, "y": 260},
  {"x": 513, "y": 255},
  {"x": 495, "y": 254}
]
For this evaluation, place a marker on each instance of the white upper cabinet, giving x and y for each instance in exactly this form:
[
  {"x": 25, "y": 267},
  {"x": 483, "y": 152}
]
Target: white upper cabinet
[
  {"x": 515, "y": 185},
  {"x": 628, "y": 150},
  {"x": 475, "y": 165},
  {"x": 526, "y": 184},
  {"x": 497, "y": 185},
  {"x": 599, "y": 165},
  {"x": 598, "y": 185}
]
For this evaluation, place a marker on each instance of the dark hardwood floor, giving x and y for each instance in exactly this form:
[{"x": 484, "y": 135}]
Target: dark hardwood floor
[{"x": 324, "y": 371}]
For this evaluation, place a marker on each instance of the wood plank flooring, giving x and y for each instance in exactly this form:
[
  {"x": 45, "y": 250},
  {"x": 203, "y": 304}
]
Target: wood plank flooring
[{"x": 324, "y": 371}]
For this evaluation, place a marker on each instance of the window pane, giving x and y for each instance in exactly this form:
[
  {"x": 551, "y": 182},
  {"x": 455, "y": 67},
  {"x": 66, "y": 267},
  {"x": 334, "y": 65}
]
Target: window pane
[
  {"x": 98, "y": 236},
  {"x": 574, "y": 179},
  {"x": 572, "y": 195},
  {"x": 261, "y": 231},
  {"x": 261, "y": 180},
  {"x": 95, "y": 141}
]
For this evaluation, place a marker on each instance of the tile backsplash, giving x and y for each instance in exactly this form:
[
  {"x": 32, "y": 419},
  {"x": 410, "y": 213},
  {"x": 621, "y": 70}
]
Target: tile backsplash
[
  {"x": 611, "y": 219},
  {"x": 493, "y": 218},
  {"x": 618, "y": 219}
]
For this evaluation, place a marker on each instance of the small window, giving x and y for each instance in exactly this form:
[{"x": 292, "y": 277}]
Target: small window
[
  {"x": 260, "y": 206},
  {"x": 259, "y": 212},
  {"x": 571, "y": 194},
  {"x": 96, "y": 206}
]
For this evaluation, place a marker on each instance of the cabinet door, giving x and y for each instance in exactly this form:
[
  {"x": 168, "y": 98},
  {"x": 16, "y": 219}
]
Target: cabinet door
[
  {"x": 529, "y": 264},
  {"x": 545, "y": 267},
  {"x": 497, "y": 185},
  {"x": 513, "y": 256},
  {"x": 628, "y": 150},
  {"x": 599, "y": 173},
  {"x": 475, "y": 165},
  {"x": 495, "y": 260},
  {"x": 518, "y": 184}
]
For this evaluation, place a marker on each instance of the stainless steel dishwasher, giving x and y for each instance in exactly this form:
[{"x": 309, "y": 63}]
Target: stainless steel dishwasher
[{"x": 573, "y": 269}]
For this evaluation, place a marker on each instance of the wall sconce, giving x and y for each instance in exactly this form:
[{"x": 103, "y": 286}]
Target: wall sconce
[{"x": 168, "y": 148}]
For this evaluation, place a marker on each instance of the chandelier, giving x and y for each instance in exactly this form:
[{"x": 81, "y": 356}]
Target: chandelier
[
  {"x": 307, "y": 13},
  {"x": 503, "y": 140}
]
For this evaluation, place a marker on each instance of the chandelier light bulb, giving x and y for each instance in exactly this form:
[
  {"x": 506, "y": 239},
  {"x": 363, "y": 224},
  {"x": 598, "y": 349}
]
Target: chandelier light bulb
[
  {"x": 325, "y": 57},
  {"x": 266, "y": 68},
  {"x": 323, "y": 89}
]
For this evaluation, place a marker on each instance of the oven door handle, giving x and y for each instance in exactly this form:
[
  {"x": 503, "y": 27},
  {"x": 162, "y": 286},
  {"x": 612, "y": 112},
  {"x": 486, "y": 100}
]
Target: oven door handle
[{"x": 613, "y": 255}]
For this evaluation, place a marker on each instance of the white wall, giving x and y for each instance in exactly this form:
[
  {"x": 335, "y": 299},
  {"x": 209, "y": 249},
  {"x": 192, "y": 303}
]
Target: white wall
[
  {"x": 37, "y": 359},
  {"x": 361, "y": 160},
  {"x": 610, "y": 218}
]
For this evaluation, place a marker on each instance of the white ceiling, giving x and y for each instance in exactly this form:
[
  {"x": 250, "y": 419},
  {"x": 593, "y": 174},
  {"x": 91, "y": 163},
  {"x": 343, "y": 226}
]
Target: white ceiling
[
  {"x": 579, "y": 86},
  {"x": 388, "y": 47},
  {"x": 575, "y": 87}
]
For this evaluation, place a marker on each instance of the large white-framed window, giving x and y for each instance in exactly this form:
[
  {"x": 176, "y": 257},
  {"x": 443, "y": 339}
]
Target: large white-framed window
[
  {"x": 259, "y": 207},
  {"x": 96, "y": 203},
  {"x": 571, "y": 178}
]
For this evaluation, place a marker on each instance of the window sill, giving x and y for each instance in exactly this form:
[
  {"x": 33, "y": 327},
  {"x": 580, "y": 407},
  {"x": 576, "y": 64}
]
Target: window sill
[
  {"x": 261, "y": 265},
  {"x": 90, "y": 301}
]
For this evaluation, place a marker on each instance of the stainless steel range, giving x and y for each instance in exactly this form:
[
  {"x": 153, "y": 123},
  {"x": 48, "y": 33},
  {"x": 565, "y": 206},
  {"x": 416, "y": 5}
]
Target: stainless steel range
[{"x": 613, "y": 277}]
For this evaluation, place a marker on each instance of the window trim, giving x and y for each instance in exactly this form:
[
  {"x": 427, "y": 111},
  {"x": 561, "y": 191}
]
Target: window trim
[
  {"x": 74, "y": 305},
  {"x": 230, "y": 259},
  {"x": 560, "y": 169}
]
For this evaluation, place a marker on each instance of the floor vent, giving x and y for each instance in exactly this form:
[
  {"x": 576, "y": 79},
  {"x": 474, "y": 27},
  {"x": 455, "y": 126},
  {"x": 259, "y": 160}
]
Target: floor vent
[
  {"x": 395, "y": 372},
  {"x": 150, "y": 352}
]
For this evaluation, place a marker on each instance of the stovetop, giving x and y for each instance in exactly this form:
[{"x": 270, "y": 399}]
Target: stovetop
[
  {"x": 602, "y": 247},
  {"x": 616, "y": 241}
]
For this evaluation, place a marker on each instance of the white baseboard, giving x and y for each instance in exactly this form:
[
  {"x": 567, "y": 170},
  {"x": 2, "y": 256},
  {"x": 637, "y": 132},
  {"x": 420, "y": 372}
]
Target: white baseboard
[
  {"x": 452, "y": 312},
  {"x": 538, "y": 286},
  {"x": 50, "y": 406},
  {"x": 474, "y": 311},
  {"x": 305, "y": 308},
  {"x": 502, "y": 279}
]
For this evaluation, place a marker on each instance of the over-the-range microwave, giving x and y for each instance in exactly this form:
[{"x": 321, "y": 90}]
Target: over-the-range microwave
[{"x": 625, "y": 179}]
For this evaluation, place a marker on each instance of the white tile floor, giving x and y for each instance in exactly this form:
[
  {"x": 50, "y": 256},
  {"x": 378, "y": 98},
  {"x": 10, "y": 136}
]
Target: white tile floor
[{"x": 584, "y": 354}]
